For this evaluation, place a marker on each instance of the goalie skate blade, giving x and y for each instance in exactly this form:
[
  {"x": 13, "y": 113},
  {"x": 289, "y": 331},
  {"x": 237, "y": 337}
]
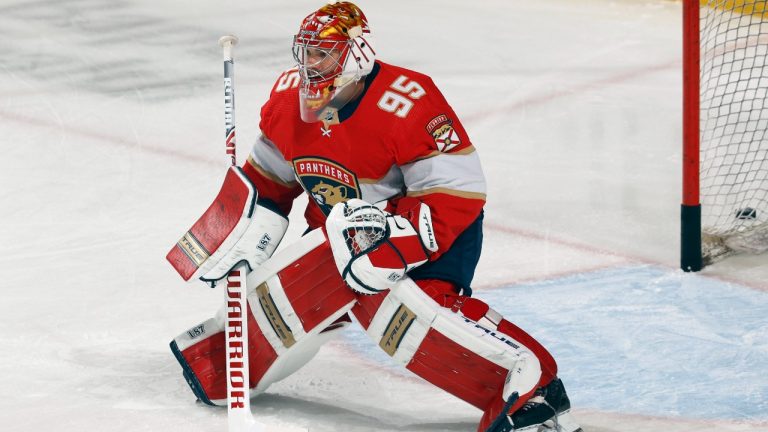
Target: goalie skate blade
[{"x": 566, "y": 423}]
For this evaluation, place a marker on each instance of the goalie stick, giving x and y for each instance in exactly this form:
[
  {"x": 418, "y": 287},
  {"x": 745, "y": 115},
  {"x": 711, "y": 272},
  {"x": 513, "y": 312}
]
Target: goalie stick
[
  {"x": 501, "y": 424},
  {"x": 239, "y": 416}
]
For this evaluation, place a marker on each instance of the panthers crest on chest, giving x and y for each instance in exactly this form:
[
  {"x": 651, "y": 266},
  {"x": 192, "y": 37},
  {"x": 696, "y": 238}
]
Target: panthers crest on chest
[{"x": 326, "y": 181}]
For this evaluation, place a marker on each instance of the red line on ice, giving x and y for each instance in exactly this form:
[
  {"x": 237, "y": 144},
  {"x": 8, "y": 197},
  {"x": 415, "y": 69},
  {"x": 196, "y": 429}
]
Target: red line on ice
[
  {"x": 106, "y": 138},
  {"x": 581, "y": 88}
]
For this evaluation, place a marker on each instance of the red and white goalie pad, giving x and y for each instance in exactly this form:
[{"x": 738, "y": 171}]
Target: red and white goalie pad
[
  {"x": 466, "y": 354},
  {"x": 234, "y": 229},
  {"x": 297, "y": 302},
  {"x": 373, "y": 249}
]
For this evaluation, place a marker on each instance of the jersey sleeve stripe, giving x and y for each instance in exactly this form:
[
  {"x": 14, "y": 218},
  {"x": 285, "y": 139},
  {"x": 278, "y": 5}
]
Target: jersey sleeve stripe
[
  {"x": 463, "y": 152},
  {"x": 266, "y": 156},
  {"x": 461, "y": 173},
  {"x": 386, "y": 187},
  {"x": 270, "y": 176},
  {"x": 446, "y": 191}
]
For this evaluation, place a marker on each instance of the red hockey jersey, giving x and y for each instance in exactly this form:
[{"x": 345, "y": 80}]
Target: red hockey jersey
[{"x": 399, "y": 142}]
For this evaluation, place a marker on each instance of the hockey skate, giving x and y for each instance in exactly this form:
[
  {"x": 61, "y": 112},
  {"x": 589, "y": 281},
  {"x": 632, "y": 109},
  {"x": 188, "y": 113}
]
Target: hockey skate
[{"x": 547, "y": 410}]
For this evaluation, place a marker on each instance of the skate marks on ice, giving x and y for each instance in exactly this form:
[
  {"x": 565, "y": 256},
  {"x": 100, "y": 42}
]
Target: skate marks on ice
[
  {"x": 594, "y": 421},
  {"x": 615, "y": 359},
  {"x": 103, "y": 35},
  {"x": 343, "y": 389},
  {"x": 667, "y": 341},
  {"x": 118, "y": 49},
  {"x": 326, "y": 416}
]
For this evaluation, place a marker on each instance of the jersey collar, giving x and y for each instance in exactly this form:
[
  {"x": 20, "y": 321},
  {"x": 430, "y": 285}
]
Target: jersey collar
[{"x": 347, "y": 110}]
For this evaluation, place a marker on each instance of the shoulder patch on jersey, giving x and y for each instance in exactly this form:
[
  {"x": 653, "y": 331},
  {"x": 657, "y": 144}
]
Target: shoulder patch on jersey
[
  {"x": 441, "y": 129},
  {"x": 326, "y": 181}
]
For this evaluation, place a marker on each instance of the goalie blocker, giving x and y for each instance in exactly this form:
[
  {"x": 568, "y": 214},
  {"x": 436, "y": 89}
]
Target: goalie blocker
[
  {"x": 233, "y": 230},
  {"x": 297, "y": 301}
]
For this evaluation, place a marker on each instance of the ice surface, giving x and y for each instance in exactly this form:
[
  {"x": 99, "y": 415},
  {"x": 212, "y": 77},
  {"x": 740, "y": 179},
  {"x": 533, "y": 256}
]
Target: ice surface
[{"x": 112, "y": 130}]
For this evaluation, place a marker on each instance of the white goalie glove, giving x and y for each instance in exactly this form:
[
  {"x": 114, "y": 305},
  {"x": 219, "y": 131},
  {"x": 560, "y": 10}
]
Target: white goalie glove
[{"x": 373, "y": 249}]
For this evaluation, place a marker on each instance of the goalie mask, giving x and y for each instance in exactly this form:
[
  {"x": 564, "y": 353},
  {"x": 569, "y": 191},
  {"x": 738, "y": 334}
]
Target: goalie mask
[{"x": 333, "y": 51}]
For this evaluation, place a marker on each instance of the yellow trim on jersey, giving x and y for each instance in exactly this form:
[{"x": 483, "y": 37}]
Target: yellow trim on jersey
[
  {"x": 469, "y": 150},
  {"x": 269, "y": 175},
  {"x": 454, "y": 192},
  {"x": 369, "y": 180}
]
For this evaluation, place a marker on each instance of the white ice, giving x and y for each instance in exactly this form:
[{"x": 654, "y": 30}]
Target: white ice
[{"x": 112, "y": 145}]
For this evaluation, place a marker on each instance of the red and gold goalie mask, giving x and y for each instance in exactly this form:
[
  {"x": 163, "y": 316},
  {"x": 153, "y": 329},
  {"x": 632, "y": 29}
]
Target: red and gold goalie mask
[{"x": 332, "y": 50}]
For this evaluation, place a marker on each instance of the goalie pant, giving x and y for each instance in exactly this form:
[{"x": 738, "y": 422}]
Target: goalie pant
[{"x": 298, "y": 302}]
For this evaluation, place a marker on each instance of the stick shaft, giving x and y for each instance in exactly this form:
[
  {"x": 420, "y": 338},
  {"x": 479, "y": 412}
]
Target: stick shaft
[
  {"x": 227, "y": 43},
  {"x": 239, "y": 416}
]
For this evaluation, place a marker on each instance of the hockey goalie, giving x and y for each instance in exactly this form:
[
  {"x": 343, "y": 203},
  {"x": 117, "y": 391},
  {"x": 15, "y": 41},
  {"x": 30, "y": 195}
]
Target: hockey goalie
[{"x": 396, "y": 195}]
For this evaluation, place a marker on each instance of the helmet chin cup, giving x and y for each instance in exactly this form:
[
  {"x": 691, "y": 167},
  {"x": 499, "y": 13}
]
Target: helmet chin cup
[
  {"x": 314, "y": 103},
  {"x": 324, "y": 102}
]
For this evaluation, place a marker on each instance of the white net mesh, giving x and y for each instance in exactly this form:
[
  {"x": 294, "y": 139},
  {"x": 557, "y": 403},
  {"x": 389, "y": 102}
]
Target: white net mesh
[
  {"x": 734, "y": 124},
  {"x": 366, "y": 228}
]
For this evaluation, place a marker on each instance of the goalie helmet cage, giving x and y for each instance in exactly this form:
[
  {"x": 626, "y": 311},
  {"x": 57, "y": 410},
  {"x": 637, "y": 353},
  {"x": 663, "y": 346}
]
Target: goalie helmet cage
[{"x": 725, "y": 130}]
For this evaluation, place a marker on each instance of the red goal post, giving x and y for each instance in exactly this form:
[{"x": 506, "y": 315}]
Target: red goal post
[
  {"x": 690, "y": 214},
  {"x": 725, "y": 130}
]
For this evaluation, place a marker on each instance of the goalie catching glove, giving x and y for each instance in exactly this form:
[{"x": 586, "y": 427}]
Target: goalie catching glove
[{"x": 374, "y": 249}]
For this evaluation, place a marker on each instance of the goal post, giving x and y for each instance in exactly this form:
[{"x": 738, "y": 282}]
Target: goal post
[
  {"x": 725, "y": 130},
  {"x": 690, "y": 212}
]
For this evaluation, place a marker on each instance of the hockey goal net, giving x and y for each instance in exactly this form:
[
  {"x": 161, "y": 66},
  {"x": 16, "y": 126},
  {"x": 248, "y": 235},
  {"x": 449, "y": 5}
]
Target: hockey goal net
[{"x": 732, "y": 127}]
